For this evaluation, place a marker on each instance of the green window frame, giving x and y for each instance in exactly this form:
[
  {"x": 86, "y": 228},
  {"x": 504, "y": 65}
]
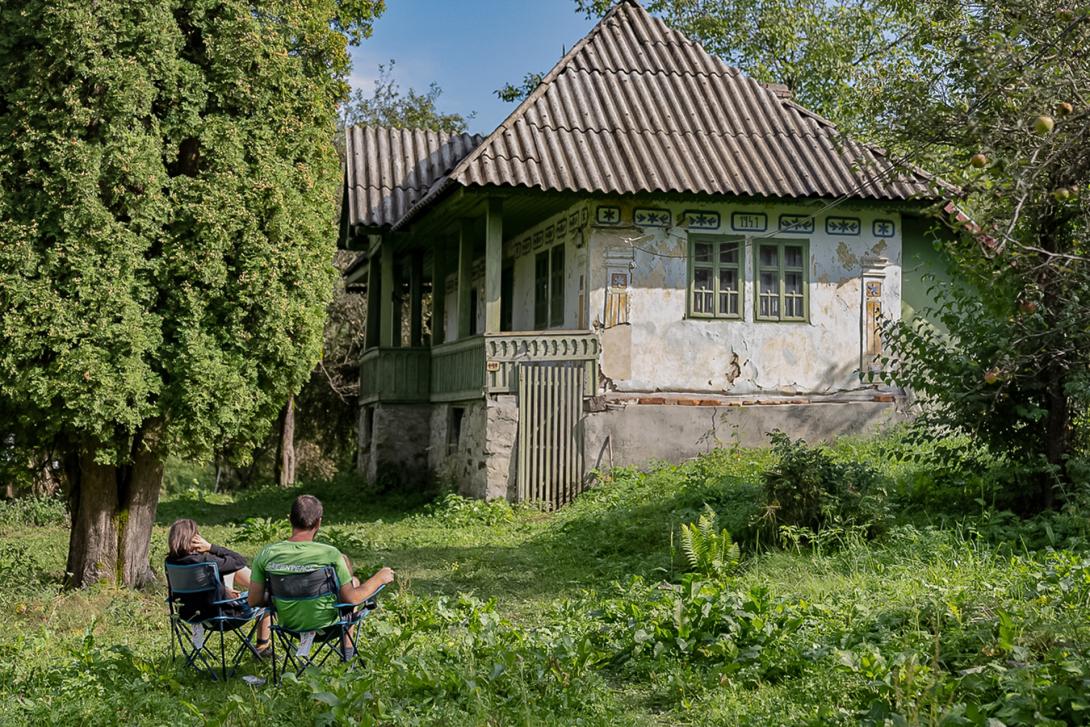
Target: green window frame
[
  {"x": 715, "y": 277},
  {"x": 781, "y": 280}
]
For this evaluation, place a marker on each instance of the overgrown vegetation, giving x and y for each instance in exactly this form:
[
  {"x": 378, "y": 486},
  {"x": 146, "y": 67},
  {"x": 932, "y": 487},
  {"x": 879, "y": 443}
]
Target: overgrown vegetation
[{"x": 656, "y": 598}]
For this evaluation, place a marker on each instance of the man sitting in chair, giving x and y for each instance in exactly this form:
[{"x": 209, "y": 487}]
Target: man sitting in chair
[{"x": 301, "y": 554}]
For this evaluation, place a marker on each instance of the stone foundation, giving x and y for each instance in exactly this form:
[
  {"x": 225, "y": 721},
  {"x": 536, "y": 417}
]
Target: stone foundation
[
  {"x": 473, "y": 444},
  {"x": 633, "y": 433},
  {"x": 393, "y": 443}
]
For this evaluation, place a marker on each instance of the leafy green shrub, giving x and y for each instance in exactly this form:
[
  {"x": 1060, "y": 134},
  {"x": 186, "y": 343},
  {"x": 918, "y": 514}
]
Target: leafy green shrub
[
  {"x": 20, "y": 572},
  {"x": 34, "y": 510},
  {"x": 343, "y": 539},
  {"x": 806, "y": 488},
  {"x": 263, "y": 530},
  {"x": 709, "y": 553},
  {"x": 454, "y": 511}
]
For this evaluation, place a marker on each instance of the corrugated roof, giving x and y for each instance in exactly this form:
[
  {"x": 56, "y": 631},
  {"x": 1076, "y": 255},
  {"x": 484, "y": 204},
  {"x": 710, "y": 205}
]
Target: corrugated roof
[
  {"x": 389, "y": 170},
  {"x": 636, "y": 107}
]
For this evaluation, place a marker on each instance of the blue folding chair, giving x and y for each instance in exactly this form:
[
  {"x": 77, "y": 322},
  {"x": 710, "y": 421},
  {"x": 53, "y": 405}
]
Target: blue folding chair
[
  {"x": 301, "y": 647},
  {"x": 197, "y": 611}
]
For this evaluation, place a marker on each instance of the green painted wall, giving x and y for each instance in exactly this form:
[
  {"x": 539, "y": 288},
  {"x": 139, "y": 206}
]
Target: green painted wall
[{"x": 922, "y": 267}]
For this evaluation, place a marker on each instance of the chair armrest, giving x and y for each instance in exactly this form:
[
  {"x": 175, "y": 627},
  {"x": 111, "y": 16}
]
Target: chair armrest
[
  {"x": 239, "y": 599},
  {"x": 369, "y": 600}
]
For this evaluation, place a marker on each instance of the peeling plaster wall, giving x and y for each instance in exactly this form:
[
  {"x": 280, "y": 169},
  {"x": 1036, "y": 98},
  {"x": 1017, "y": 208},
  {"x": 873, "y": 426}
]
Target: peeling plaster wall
[
  {"x": 540, "y": 238},
  {"x": 671, "y": 352}
]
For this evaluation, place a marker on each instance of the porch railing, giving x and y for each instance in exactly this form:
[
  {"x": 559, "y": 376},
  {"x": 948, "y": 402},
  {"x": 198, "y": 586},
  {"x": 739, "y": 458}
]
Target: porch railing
[
  {"x": 505, "y": 351},
  {"x": 395, "y": 375},
  {"x": 471, "y": 367},
  {"x": 457, "y": 370}
]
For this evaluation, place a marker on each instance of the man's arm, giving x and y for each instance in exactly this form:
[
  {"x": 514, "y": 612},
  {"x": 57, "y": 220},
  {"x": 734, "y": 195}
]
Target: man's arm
[
  {"x": 256, "y": 597},
  {"x": 359, "y": 594}
]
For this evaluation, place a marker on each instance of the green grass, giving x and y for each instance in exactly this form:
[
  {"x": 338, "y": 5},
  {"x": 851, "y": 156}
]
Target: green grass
[{"x": 587, "y": 616}]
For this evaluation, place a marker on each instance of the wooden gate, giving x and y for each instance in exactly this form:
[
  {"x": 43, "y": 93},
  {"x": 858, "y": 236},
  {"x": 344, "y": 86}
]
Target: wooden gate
[{"x": 550, "y": 432}]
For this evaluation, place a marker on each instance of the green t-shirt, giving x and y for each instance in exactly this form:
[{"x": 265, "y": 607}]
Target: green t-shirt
[{"x": 288, "y": 557}]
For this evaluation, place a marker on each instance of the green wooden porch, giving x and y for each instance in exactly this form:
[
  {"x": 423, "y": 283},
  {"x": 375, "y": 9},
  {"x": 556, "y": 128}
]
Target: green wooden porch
[{"x": 470, "y": 368}]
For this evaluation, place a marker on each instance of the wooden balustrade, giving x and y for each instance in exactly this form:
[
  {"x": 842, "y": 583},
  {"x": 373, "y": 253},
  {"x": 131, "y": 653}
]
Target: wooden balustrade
[
  {"x": 471, "y": 367},
  {"x": 395, "y": 375}
]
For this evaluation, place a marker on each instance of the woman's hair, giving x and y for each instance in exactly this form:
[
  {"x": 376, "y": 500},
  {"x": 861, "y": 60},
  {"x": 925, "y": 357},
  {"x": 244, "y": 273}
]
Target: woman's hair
[{"x": 180, "y": 539}]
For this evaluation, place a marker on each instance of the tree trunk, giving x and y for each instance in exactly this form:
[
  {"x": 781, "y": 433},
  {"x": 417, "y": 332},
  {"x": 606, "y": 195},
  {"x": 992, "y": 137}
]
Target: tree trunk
[
  {"x": 1058, "y": 444},
  {"x": 113, "y": 510},
  {"x": 135, "y": 518},
  {"x": 92, "y": 545},
  {"x": 285, "y": 449}
]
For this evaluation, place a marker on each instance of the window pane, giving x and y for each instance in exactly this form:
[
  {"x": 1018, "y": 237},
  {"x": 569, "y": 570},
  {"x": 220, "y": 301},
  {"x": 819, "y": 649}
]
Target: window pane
[
  {"x": 702, "y": 252},
  {"x": 770, "y": 283},
  {"x": 770, "y": 306},
  {"x": 728, "y": 253},
  {"x": 769, "y": 256},
  {"x": 728, "y": 280},
  {"x": 792, "y": 256},
  {"x": 792, "y": 307},
  {"x": 728, "y": 304},
  {"x": 556, "y": 288},
  {"x": 792, "y": 283},
  {"x": 702, "y": 290}
]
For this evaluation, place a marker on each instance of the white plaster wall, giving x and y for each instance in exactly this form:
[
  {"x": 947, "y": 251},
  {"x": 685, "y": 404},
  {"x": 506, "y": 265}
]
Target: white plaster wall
[
  {"x": 670, "y": 352},
  {"x": 575, "y": 264}
]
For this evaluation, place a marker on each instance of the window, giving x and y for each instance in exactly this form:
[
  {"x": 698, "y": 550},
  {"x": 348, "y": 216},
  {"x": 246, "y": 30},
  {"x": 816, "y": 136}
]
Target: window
[
  {"x": 454, "y": 428},
  {"x": 715, "y": 277},
  {"x": 549, "y": 288},
  {"x": 782, "y": 291}
]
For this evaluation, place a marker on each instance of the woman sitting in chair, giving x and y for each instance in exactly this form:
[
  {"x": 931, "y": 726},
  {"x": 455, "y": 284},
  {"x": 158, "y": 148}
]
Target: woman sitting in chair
[{"x": 187, "y": 547}]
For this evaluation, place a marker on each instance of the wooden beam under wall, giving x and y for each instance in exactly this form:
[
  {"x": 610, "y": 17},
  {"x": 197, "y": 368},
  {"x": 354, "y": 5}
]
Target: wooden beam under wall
[
  {"x": 493, "y": 263},
  {"x": 465, "y": 272}
]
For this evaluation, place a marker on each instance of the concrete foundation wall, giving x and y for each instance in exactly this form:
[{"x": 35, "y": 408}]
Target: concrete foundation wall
[{"x": 637, "y": 434}]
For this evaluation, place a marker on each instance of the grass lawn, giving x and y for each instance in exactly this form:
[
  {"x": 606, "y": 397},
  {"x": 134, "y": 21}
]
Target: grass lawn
[{"x": 588, "y": 616}]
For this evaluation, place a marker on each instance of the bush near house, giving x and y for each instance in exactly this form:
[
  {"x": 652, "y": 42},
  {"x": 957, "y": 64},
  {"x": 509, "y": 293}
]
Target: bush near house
[{"x": 610, "y": 611}]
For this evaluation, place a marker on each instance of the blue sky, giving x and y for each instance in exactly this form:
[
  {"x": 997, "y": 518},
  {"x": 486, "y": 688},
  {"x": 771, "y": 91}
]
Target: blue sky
[{"x": 469, "y": 47}]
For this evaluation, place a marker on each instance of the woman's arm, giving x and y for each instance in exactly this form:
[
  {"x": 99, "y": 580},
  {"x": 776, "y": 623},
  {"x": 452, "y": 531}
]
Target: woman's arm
[{"x": 226, "y": 559}]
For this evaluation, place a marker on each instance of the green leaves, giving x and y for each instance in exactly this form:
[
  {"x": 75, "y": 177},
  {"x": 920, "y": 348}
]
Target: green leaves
[{"x": 167, "y": 219}]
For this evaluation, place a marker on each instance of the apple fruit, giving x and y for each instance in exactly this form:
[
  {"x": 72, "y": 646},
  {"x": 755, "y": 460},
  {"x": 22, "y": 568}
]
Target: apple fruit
[
  {"x": 978, "y": 161},
  {"x": 991, "y": 376},
  {"x": 1043, "y": 125},
  {"x": 1028, "y": 306},
  {"x": 1064, "y": 108}
]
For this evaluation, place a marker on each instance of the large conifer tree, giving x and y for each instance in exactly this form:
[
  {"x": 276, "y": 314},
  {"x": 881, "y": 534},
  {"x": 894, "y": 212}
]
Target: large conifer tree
[{"x": 167, "y": 190}]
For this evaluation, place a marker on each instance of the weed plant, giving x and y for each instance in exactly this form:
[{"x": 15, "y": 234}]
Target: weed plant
[{"x": 630, "y": 606}]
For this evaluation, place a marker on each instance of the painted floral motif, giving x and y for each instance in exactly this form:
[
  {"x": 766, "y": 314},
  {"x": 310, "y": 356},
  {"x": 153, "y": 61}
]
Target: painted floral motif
[
  {"x": 883, "y": 228},
  {"x": 796, "y": 223},
  {"x": 607, "y": 215},
  {"x": 644, "y": 217},
  {"x": 843, "y": 225}
]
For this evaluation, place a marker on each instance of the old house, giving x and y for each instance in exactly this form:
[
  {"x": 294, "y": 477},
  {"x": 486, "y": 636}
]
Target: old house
[{"x": 651, "y": 256}]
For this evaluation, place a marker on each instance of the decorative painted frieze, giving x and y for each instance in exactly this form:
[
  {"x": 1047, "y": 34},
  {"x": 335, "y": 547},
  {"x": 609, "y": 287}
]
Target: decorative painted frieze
[
  {"x": 650, "y": 217},
  {"x": 607, "y": 215},
  {"x": 883, "y": 228},
  {"x": 843, "y": 225},
  {"x": 700, "y": 219},
  {"x": 539, "y": 239},
  {"x": 749, "y": 221},
  {"x": 797, "y": 223}
]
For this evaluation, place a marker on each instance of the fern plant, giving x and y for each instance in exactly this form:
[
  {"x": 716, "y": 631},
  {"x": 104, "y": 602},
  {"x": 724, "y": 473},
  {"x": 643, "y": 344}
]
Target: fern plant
[{"x": 709, "y": 552}]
